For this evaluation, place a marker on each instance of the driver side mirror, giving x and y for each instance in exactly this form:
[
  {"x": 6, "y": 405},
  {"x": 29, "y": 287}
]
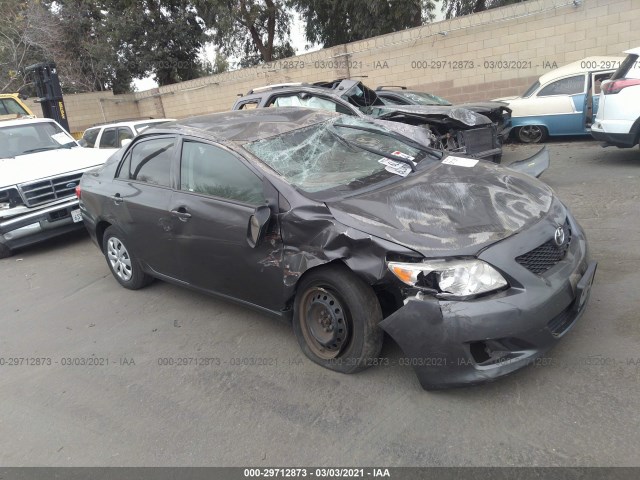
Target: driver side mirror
[
  {"x": 125, "y": 142},
  {"x": 258, "y": 223}
]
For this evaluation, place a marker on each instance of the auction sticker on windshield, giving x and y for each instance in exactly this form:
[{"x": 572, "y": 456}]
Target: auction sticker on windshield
[
  {"x": 398, "y": 168},
  {"x": 61, "y": 138},
  {"x": 460, "y": 161},
  {"x": 403, "y": 155}
]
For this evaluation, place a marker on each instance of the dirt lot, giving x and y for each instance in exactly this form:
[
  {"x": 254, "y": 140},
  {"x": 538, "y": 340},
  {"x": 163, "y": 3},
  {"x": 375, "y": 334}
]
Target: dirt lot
[{"x": 60, "y": 302}]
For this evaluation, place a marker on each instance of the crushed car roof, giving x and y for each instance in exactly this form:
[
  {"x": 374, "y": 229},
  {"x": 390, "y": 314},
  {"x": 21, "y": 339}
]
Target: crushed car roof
[{"x": 251, "y": 125}]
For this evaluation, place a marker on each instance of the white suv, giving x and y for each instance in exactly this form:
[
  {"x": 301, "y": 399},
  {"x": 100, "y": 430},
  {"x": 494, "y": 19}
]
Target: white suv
[
  {"x": 618, "y": 119},
  {"x": 118, "y": 134}
]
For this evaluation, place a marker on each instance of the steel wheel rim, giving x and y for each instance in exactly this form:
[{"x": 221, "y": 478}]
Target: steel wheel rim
[
  {"x": 325, "y": 322},
  {"x": 119, "y": 259},
  {"x": 530, "y": 134}
]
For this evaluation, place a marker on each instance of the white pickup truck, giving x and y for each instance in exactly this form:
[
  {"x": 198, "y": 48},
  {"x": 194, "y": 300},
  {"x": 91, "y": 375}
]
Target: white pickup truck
[{"x": 40, "y": 167}]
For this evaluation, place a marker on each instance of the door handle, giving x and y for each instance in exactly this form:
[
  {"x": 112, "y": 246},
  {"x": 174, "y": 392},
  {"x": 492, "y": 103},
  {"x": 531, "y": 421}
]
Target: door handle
[
  {"x": 117, "y": 199},
  {"x": 181, "y": 213}
]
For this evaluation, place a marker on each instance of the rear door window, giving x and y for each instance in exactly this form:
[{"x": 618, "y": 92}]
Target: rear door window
[
  {"x": 565, "y": 86},
  {"x": 150, "y": 161},
  {"x": 109, "y": 138}
]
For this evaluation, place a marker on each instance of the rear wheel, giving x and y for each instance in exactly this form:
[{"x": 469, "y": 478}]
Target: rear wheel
[
  {"x": 123, "y": 265},
  {"x": 532, "y": 134},
  {"x": 336, "y": 320}
]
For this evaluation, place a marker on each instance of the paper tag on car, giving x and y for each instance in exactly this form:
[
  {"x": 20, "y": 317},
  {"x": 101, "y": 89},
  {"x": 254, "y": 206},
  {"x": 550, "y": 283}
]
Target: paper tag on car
[
  {"x": 61, "y": 138},
  {"x": 402, "y": 155},
  {"x": 460, "y": 161},
  {"x": 76, "y": 215},
  {"x": 398, "y": 168}
]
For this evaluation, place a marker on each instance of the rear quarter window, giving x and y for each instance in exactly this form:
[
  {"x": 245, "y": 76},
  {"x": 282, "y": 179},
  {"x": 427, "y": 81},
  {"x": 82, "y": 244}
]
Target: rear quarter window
[
  {"x": 248, "y": 105},
  {"x": 89, "y": 138}
]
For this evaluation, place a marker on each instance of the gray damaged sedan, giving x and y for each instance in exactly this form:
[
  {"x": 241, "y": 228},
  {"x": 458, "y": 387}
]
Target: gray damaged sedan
[{"x": 347, "y": 230}]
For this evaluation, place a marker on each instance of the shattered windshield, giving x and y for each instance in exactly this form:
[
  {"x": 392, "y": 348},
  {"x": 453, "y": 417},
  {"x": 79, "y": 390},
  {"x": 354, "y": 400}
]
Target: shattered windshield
[
  {"x": 343, "y": 153},
  {"x": 28, "y": 138},
  {"x": 362, "y": 97},
  {"x": 422, "y": 98}
]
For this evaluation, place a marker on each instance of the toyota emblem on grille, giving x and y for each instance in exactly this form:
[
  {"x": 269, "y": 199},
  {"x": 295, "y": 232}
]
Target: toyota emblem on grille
[{"x": 559, "y": 236}]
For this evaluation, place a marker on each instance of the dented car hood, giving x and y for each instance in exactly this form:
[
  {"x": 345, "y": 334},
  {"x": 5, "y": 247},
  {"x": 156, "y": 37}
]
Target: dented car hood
[
  {"x": 448, "y": 209},
  {"x": 483, "y": 107},
  {"x": 456, "y": 114}
]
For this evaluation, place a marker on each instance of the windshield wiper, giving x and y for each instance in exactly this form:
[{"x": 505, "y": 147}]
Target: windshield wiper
[{"x": 40, "y": 149}]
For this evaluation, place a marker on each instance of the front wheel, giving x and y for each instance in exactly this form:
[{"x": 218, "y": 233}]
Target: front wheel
[
  {"x": 5, "y": 251},
  {"x": 532, "y": 134},
  {"x": 336, "y": 320},
  {"x": 123, "y": 265}
]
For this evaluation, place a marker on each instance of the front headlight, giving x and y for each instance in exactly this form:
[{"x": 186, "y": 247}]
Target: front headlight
[
  {"x": 9, "y": 198},
  {"x": 454, "y": 277}
]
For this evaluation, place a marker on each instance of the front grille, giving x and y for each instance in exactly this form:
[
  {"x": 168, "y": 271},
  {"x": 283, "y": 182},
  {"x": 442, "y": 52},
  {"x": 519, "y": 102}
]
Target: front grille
[
  {"x": 478, "y": 140},
  {"x": 44, "y": 191},
  {"x": 547, "y": 255}
]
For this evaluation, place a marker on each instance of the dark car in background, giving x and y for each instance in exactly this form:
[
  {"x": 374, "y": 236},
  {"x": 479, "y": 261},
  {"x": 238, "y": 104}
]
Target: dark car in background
[
  {"x": 452, "y": 129},
  {"x": 348, "y": 230},
  {"x": 498, "y": 112}
]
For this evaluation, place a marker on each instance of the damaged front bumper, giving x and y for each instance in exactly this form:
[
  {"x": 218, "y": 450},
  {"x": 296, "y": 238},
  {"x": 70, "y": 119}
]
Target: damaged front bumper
[
  {"x": 535, "y": 165},
  {"x": 457, "y": 343},
  {"x": 34, "y": 226}
]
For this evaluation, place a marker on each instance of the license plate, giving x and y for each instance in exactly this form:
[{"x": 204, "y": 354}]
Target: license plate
[{"x": 76, "y": 215}]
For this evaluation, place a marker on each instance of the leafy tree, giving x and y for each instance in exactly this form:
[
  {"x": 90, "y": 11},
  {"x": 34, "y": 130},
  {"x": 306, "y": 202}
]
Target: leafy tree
[
  {"x": 158, "y": 37},
  {"x": 87, "y": 48},
  {"x": 456, "y": 8},
  {"x": 335, "y": 22},
  {"x": 102, "y": 44},
  {"x": 26, "y": 28},
  {"x": 253, "y": 30}
]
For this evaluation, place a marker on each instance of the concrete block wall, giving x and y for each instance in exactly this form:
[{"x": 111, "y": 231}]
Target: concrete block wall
[{"x": 483, "y": 56}]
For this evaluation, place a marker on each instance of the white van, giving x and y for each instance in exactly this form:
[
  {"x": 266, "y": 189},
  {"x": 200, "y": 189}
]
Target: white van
[{"x": 562, "y": 102}]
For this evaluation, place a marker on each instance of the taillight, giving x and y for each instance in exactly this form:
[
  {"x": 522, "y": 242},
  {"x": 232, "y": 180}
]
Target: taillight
[
  {"x": 617, "y": 85},
  {"x": 78, "y": 192}
]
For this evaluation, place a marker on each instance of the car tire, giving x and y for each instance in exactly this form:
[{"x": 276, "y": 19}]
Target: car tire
[
  {"x": 5, "y": 251},
  {"x": 123, "y": 265},
  {"x": 336, "y": 320},
  {"x": 532, "y": 134}
]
